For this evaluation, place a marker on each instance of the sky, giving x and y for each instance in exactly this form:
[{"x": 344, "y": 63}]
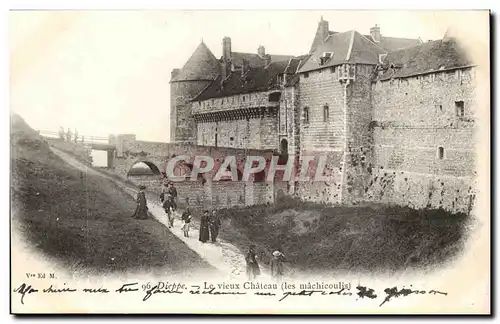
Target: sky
[{"x": 108, "y": 72}]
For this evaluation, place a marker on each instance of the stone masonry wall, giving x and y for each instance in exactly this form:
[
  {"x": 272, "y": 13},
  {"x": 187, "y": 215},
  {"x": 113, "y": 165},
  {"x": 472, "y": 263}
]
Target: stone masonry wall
[
  {"x": 239, "y": 101},
  {"x": 254, "y": 133},
  {"x": 318, "y": 89},
  {"x": 358, "y": 156},
  {"x": 424, "y": 152},
  {"x": 182, "y": 125}
]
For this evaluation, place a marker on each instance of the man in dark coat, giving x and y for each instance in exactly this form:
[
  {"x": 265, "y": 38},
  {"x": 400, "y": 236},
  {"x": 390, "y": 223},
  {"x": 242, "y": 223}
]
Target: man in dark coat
[
  {"x": 141, "y": 211},
  {"x": 167, "y": 206},
  {"x": 204, "y": 232},
  {"x": 214, "y": 226},
  {"x": 173, "y": 192}
]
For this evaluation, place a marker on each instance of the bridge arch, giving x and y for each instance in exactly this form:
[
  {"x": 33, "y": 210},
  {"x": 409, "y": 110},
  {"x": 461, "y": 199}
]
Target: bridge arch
[{"x": 143, "y": 167}]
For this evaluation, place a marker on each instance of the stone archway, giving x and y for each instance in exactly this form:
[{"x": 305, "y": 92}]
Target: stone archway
[{"x": 141, "y": 168}]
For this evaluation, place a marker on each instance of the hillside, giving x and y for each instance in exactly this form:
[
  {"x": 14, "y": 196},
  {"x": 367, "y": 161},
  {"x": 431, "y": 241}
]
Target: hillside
[
  {"x": 84, "y": 221},
  {"x": 356, "y": 239}
]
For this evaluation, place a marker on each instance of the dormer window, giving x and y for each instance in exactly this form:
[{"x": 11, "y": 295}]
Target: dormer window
[
  {"x": 325, "y": 57},
  {"x": 381, "y": 58}
]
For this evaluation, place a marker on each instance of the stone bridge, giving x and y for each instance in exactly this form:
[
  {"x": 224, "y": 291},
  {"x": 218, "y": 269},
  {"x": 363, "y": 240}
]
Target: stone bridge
[
  {"x": 156, "y": 155},
  {"x": 203, "y": 192}
]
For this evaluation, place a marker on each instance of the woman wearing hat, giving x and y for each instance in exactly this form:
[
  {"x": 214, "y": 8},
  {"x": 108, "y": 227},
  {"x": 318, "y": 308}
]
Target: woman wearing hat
[
  {"x": 277, "y": 266},
  {"x": 141, "y": 211}
]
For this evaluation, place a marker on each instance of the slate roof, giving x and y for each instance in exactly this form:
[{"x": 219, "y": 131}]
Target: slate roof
[
  {"x": 390, "y": 44},
  {"x": 347, "y": 47},
  {"x": 256, "y": 79},
  {"x": 254, "y": 60},
  {"x": 202, "y": 65},
  {"x": 427, "y": 57}
]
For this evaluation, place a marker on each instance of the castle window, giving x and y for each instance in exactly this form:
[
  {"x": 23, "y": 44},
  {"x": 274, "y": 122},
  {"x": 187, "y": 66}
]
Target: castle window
[
  {"x": 243, "y": 98},
  {"x": 274, "y": 97},
  {"x": 231, "y": 138},
  {"x": 332, "y": 69},
  {"x": 440, "y": 152},
  {"x": 326, "y": 113},
  {"x": 459, "y": 108},
  {"x": 306, "y": 75},
  {"x": 222, "y": 101},
  {"x": 306, "y": 115}
]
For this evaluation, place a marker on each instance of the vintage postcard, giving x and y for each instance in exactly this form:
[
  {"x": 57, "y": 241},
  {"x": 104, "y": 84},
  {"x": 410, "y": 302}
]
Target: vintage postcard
[{"x": 250, "y": 162}]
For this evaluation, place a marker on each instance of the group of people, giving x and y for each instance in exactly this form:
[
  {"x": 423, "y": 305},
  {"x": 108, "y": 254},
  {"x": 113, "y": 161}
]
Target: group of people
[
  {"x": 210, "y": 224},
  {"x": 276, "y": 265},
  {"x": 67, "y": 136}
]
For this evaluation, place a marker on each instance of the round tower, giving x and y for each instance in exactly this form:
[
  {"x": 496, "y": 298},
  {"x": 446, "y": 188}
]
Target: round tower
[{"x": 200, "y": 70}]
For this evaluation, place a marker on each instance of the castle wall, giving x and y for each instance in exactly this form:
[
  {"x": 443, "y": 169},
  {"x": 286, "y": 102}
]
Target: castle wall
[
  {"x": 182, "y": 125},
  {"x": 238, "y": 101},
  {"x": 289, "y": 127},
  {"x": 212, "y": 195},
  {"x": 359, "y": 155},
  {"x": 320, "y": 88},
  {"x": 326, "y": 192},
  {"x": 255, "y": 133},
  {"x": 413, "y": 118}
]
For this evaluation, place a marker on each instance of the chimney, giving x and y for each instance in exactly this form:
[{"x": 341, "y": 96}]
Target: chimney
[
  {"x": 224, "y": 72},
  {"x": 375, "y": 33},
  {"x": 321, "y": 34},
  {"x": 323, "y": 29},
  {"x": 226, "y": 48},
  {"x": 261, "y": 51}
]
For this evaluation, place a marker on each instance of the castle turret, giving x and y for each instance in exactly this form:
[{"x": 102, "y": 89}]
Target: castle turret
[{"x": 200, "y": 70}]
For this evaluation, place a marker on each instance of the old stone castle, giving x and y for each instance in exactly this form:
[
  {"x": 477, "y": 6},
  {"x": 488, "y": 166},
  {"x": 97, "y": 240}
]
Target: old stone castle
[{"x": 394, "y": 115}]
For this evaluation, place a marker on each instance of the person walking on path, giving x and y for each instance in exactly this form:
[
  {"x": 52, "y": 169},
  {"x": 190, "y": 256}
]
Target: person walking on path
[
  {"x": 186, "y": 222},
  {"x": 215, "y": 224},
  {"x": 204, "y": 233},
  {"x": 173, "y": 192},
  {"x": 277, "y": 266},
  {"x": 167, "y": 206},
  {"x": 164, "y": 189},
  {"x": 141, "y": 211},
  {"x": 253, "y": 269}
]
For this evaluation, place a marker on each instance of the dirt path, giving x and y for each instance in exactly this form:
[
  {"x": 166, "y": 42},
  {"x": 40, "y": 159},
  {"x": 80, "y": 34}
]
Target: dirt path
[{"x": 221, "y": 255}]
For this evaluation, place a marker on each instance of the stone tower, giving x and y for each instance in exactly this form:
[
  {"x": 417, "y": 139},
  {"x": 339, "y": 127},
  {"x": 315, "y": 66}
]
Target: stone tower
[{"x": 200, "y": 70}]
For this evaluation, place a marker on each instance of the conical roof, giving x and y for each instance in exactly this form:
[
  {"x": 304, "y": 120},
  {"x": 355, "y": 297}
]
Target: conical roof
[{"x": 202, "y": 65}]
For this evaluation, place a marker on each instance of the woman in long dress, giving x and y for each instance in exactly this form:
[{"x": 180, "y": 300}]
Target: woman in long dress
[
  {"x": 277, "y": 266},
  {"x": 141, "y": 211},
  {"x": 253, "y": 269},
  {"x": 204, "y": 231}
]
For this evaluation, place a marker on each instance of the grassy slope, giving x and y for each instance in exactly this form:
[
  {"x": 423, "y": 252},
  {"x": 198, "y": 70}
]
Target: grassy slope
[
  {"x": 357, "y": 239},
  {"x": 84, "y": 221}
]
